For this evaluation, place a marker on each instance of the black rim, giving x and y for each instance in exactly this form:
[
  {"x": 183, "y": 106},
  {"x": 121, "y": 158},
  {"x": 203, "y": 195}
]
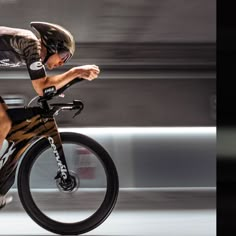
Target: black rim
[{"x": 96, "y": 218}]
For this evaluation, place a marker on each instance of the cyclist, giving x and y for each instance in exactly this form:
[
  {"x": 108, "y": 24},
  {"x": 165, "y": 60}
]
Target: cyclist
[{"x": 49, "y": 45}]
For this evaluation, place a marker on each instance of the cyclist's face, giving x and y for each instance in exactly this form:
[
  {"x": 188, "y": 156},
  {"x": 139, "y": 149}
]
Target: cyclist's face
[{"x": 54, "y": 61}]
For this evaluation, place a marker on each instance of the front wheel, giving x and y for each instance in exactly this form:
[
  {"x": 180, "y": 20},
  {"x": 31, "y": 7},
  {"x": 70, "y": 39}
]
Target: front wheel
[{"x": 68, "y": 212}]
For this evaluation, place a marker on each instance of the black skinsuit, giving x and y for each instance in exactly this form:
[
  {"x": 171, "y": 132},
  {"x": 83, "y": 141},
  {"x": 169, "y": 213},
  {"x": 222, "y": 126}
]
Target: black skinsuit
[{"x": 20, "y": 47}]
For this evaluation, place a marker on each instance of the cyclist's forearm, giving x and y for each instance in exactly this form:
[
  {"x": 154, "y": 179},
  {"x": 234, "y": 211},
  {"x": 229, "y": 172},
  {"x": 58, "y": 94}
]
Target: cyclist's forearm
[
  {"x": 88, "y": 72},
  {"x": 60, "y": 80},
  {"x": 56, "y": 80}
]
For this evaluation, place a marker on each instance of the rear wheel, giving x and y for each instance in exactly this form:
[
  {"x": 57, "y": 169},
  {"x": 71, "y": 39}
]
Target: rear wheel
[{"x": 93, "y": 190}]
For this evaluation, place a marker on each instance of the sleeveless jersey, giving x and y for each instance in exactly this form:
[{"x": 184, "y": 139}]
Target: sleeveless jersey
[{"x": 20, "y": 47}]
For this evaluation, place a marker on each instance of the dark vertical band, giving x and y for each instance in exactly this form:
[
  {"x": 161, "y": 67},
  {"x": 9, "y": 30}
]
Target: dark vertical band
[{"x": 1, "y": 100}]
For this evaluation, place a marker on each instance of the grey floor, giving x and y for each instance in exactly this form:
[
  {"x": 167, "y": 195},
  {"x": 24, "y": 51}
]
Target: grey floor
[{"x": 159, "y": 212}]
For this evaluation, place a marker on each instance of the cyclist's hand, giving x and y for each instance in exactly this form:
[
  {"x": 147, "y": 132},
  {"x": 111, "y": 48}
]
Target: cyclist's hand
[{"x": 88, "y": 72}]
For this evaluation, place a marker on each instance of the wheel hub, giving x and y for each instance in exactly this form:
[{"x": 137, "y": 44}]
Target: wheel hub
[{"x": 70, "y": 185}]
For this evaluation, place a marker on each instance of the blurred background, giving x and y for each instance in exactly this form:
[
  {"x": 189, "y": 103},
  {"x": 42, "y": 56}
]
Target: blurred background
[{"x": 153, "y": 106}]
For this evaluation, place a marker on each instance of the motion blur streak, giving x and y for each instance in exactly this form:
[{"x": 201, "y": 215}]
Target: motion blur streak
[{"x": 144, "y": 130}]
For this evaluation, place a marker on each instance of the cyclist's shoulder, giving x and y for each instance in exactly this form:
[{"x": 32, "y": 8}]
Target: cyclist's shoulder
[{"x": 17, "y": 32}]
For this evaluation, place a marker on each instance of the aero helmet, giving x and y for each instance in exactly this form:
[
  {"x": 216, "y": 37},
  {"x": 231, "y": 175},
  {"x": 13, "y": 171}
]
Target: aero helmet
[{"x": 56, "y": 39}]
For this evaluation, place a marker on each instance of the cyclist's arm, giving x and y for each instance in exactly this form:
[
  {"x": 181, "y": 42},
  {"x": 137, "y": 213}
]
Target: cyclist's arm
[
  {"x": 31, "y": 48},
  {"x": 88, "y": 72}
]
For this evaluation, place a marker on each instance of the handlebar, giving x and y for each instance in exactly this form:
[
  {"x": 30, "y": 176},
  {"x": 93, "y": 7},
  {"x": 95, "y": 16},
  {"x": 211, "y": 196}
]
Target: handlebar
[
  {"x": 49, "y": 93},
  {"x": 76, "y": 105},
  {"x": 61, "y": 90}
]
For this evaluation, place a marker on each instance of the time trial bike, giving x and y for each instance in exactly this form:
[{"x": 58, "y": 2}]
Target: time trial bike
[{"x": 67, "y": 182}]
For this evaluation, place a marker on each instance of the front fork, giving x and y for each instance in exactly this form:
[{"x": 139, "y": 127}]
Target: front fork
[
  {"x": 60, "y": 158},
  {"x": 63, "y": 176}
]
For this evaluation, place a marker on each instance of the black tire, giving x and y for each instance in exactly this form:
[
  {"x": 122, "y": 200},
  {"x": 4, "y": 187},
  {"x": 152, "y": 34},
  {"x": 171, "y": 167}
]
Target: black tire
[{"x": 68, "y": 228}]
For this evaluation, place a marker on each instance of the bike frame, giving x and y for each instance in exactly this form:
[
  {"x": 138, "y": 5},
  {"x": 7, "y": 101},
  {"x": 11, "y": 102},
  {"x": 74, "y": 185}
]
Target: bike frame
[{"x": 29, "y": 125}]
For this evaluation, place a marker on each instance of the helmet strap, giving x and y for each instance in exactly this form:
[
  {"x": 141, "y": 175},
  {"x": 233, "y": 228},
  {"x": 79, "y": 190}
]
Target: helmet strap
[{"x": 49, "y": 53}]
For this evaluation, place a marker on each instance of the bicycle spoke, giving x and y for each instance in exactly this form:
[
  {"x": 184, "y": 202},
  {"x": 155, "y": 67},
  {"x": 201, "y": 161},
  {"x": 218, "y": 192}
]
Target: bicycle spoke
[{"x": 90, "y": 189}]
